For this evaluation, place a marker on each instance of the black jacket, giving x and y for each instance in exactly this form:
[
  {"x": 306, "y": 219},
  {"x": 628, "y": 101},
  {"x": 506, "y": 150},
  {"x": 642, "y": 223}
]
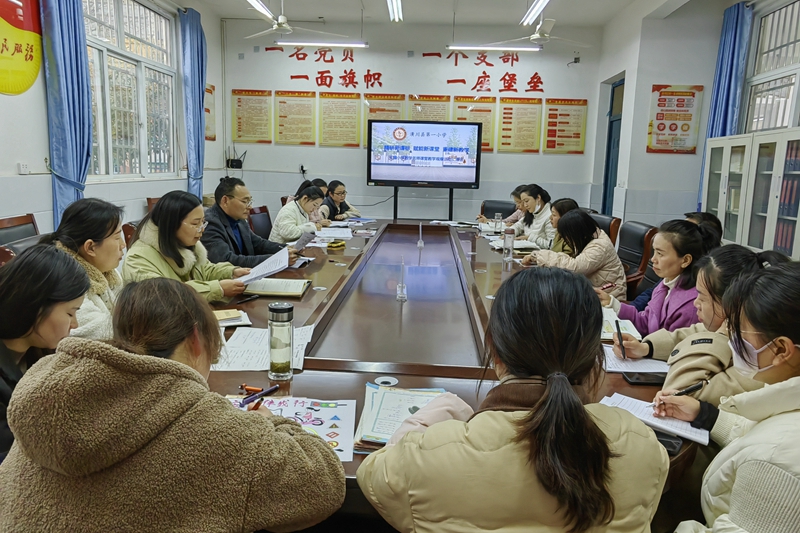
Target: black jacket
[
  {"x": 221, "y": 245},
  {"x": 10, "y": 374}
]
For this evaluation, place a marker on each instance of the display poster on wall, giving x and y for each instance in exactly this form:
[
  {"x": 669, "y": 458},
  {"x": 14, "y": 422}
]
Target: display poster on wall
[
  {"x": 339, "y": 119},
  {"x": 210, "y": 108},
  {"x": 429, "y": 107},
  {"x": 252, "y": 117},
  {"x": 296, "y": 111},
  {"x": 520, "y": 125},
  {"x": 383, "y": 107},
  {"x": 20, "y": 45},
  {"x": 674, "y": 119},
  {"x": 565, "y": 131},
  {"x": 478, "y": 109}
]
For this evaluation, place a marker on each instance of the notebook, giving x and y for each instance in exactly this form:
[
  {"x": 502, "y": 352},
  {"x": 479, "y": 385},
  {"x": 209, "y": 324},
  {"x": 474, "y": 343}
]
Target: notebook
[
  {"x": 610, "y": 327},
  {"x": 644, "y": 412},
  {"x": 644, "y": 365},
  {"x": 279, "y": 287}
]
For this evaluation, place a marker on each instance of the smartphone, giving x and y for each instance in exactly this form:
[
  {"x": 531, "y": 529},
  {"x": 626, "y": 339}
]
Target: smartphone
[
  {"x": 640, "y": 378},
  {"x": 672, "y": 443}
]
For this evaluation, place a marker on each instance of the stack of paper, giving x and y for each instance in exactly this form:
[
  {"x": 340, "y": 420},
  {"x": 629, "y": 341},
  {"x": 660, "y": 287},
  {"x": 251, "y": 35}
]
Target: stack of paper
[
  {"x": 279, "y": 287},
  {"x": 645, "y": 365},
  {"x": 362, "y": 220},
  {"x": 610, "y": 327},
  {"x": 232, "y": 317},
  {"x": 248, "y": 350},
  {"x": 518, "y": 244},
  {"x": 335, "y": 233},
  {"x": 385, "y": 408},
  {"x": 644, "y": 412},
  {"x": 488, "y": 227}
]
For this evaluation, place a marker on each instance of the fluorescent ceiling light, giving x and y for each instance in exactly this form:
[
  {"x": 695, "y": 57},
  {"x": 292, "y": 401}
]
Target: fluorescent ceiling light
[
  {"x": 535, "y": 10},
  {"x": 534, "y": 48},
  {"x": 329, "y": 45},
  {"x": 259, "y": 6},
  {"x": 395, "y": 10}
]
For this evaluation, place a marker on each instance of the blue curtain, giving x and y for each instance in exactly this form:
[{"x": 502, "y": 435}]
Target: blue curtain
[
  {"x": 726, "y": 96},
  {"x": 69, "y": 100},
  {"x": 194, "y": 60}
]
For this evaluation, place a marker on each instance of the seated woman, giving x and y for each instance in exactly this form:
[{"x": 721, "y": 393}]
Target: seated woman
[
  {"x": 335, "y": 207},
  {"x": 91, "y": 232},
  {"x": 316, "y": 216},
  {"x": 535, "y": 225},
  {"x": 676, "y": 246},
  {"x": 593, "y": 254},
  {"x": 753, "y": 484},
  {"x": 292, "y": 220},
  {"x": 558, "y": 209},
  {"x": 167, "y": 245},
  {"x": 701, "y": 351},
  {"x": 135, "y": 427},
  {"x": 514, "y": 217},
  {"x": 42, "y": 290},
  {"x": 533, "y": 457}
]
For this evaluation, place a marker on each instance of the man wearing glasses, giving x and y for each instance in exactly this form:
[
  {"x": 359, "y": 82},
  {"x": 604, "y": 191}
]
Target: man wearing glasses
[{"x": 228, "y": 237}]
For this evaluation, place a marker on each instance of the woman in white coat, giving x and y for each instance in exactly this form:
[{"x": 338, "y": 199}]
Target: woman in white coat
[
  {"x": 753, "y": 484},
  {"x": 535, "y": 225},
  {"x": 91, "y": 232},
  {"x": 292, "y": 220}
]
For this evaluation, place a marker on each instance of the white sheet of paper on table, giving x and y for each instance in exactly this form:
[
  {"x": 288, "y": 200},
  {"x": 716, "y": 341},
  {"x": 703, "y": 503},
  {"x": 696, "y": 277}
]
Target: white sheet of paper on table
[
  {"x": 335, "y": 233},
  {"x": 339, "y": 224},
  {"x": 645, "y": 365},
  {"x": 644, "y": 412},
  {"x": 250, "y": 338},
  {"x": 302, "y": 336},
  {"x": 302, "y": 242},
  {"x": 271, "y": 265},
  {"x": 236, "y": 358},
  {"x": 242, "y": 320},
  {"x": 300, "y": 262}
]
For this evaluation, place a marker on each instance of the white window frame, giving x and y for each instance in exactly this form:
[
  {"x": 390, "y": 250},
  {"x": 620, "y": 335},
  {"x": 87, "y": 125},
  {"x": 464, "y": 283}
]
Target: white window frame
[
  {"x": 762, "y": 9},
  {"x": 107, "y": 49}
]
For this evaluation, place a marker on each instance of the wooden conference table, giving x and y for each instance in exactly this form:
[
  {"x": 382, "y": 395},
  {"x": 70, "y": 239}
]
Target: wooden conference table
[{"x": 362, "y": 332}]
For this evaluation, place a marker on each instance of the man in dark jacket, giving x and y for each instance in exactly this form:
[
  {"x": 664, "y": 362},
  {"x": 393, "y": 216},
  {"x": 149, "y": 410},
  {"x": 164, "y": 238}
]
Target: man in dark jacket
[{"x": 228, "y": 237}]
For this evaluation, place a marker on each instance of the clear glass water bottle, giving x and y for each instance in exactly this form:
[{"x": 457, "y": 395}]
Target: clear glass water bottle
[
  {"x": 508, "y": 244},
  {"x": 281, "y": 337}
]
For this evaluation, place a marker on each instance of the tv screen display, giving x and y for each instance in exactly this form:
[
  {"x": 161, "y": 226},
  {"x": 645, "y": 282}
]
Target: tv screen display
[{"x": 407, "y": 153}]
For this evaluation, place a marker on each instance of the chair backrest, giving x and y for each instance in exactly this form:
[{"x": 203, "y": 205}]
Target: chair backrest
[
  {"x": 16, "y": 228},
  {"x": 635, "y": 246},
  {"x": 21, "y": 245},
  {"x": 590, "y": 211},
  {"x": 128, "y": 229},
  {"x": 504, "y": 207},
  {"x": 151, "y": 203},
  {"x": 6, "y": 255},
  {"x": 608, "y": 224},
  {"x": 283, "y": 200},
  {"x": 260, "y": 221},
  {"x": 649, "y": 280}
]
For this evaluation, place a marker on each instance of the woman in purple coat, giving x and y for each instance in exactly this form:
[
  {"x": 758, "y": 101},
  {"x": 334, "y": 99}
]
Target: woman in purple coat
[{"x": 676, "y": 248}]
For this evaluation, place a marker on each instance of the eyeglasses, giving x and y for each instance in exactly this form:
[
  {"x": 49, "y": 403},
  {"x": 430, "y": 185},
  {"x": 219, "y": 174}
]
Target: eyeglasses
[
  {"x": 248, "y": 202},
  {"x": 343, "y": 193},
  {"x": 200, "y": 228}
]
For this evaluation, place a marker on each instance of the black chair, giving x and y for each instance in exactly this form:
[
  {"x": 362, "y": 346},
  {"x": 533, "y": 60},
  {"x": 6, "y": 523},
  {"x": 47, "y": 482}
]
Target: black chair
[
  {"x": 649, "y": 281},
  {"x": 21, "y": 245},
  {"x": 634, "y": 250},
  {"x": 589, "y": 210},
  {"x": 504, "y": 207},
  {"x": 260, "y": 221},
  {"x": 608, "y": 224},
  {"x": 16, "y": 228},
  {"x": 6, "y": 255}
]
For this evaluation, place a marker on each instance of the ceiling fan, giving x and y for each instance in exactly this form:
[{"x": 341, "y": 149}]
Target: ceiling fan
[
  {"x": 542, "y": 35},
  {"x": 281, "y": 23}
]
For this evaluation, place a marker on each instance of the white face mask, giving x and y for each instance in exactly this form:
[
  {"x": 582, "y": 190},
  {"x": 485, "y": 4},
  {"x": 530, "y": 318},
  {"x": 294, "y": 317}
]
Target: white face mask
[{"x": 747, "y": 363}]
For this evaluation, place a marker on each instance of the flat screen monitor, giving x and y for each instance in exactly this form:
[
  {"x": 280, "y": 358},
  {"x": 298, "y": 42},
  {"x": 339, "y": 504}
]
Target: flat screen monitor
[{"x": 409, "y": 153}]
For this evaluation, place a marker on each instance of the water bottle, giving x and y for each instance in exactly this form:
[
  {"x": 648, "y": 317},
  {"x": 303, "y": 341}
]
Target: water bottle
[
  {"x": 508, "y": 244},
  {"x": 281, "y": 336}
]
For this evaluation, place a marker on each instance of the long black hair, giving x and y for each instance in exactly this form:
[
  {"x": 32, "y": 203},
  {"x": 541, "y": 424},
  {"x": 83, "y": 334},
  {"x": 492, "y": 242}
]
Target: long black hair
[
  {"x": 691, "y": 239},
  {"x": 312, "y": 192},
  {"x": 578, "y": 229},
  {"x": 547, "y": 322},
  {"x": 534, "y": 191},
  {"x": 564, "y": 206},
  {"x": 85, "y": 219},
  {"x": 32, "y": 283},
  {"x": 702, "y": 217},
  {"x": 168, "y": 215},
  {"x": 303, "y": 186}
]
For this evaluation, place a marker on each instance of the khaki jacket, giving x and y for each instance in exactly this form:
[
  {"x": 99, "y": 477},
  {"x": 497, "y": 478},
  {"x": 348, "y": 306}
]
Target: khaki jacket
[
  {"x": 694, "y": 354},
  {"x": 560, "y": 245},
  {"x": 108, "y": 441},
  {"x": 290, "y": 224},
  {"x": 144, "y": 261}
]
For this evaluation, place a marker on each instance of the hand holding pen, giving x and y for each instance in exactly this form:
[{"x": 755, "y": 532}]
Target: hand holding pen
[{"x": 677, "y": 404}]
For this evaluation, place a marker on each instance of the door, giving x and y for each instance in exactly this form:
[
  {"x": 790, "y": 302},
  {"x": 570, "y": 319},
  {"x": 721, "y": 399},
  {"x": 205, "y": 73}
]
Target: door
[
  {"x": 612, "y": 146},
  {"x": 735, "y": 171}
]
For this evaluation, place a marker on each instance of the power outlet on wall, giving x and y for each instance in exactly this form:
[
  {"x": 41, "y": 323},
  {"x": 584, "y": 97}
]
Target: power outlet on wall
[{"x": 22, "y": 169}]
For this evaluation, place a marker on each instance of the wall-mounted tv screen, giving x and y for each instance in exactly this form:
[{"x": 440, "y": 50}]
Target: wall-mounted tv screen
[{"x": 408, "y": 153}]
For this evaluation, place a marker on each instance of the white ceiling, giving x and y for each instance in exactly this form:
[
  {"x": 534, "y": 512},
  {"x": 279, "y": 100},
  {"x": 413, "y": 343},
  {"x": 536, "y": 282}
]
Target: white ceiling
[{"x": 468, "y": 12}]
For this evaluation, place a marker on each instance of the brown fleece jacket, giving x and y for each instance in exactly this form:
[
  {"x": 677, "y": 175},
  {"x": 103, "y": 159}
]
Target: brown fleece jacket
[{"x": 112, "y": 441}]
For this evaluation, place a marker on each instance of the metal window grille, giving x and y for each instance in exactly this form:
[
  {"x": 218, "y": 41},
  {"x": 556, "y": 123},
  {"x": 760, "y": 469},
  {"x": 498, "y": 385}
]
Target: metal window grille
[
  {"x": 146, "y": 32},
  {"x": 100, "y": 20},
  {"x": 770, "y": 104},
  {"x": 779, "y": 39},
  {"x": 159, "y": 121},
  {"x": 124, "y": 106}
]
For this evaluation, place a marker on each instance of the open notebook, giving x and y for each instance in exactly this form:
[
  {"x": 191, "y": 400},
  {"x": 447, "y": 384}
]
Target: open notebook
[
  {"x": 644, "y": 412},
  {"x": 610, "y": 327},
  {"x": 279, "y": 287}
]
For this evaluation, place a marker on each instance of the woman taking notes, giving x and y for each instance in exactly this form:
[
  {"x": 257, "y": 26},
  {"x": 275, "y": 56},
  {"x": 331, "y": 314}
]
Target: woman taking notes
[
  {"x": 292, "y": 220},
  {"x": 128, "y": 437},
  {"x": 42, "y": 290},
  {"x": 513, "y": 217},
  {"x": 91, "y": 232},
  {"x": 593, "y": 254},
  {"x": 335, "y": 207},
  {"x": 315, "y": 216},
  {"x": 167, "y": 245},
  {"x": 753, "y": 484},
  {"x": 535, "y": 225},
  {"x": 533, "y": 457}
]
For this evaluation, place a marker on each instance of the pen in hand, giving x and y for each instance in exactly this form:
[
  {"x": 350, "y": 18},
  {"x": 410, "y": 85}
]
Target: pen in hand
[
  {"x": 619, "y": 336},
  {"x": 688, "y": 390},
  {"x": 259, "y": 395}
]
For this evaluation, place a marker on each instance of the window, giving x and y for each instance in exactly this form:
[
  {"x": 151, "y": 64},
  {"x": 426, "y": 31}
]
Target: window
[
  {"x": 132, "y": 73},
  {"x": 771, "y": 90}
]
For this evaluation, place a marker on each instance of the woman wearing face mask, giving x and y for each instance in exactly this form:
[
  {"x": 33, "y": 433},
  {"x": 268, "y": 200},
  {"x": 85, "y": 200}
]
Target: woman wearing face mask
[
  {"x": 292, "y": 220},
  {"x": 91, "y": 232},
  {"x": 514, "y": 217},
  {"x": 127, "y": 436},
  {"x": 42, "y": 290},
  {"x": 167, "y": 245},
  {"x": 753, "y": 484},
  {"x": 558, "y": 209},
  {"x": 701, "y": 351},
  {"x": 535, "y": 225}
]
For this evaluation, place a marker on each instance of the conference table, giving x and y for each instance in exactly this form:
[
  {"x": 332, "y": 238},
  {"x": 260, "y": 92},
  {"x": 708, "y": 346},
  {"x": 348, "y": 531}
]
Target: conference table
[{"x": 362, "y": 332}]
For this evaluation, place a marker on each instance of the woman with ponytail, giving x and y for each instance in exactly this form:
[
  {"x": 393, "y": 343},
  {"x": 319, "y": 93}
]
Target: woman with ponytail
[{"x": 534, "y": 457}]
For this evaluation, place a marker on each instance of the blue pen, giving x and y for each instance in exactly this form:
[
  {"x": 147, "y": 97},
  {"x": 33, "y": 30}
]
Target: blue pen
[{"x": 256, "y": 396}]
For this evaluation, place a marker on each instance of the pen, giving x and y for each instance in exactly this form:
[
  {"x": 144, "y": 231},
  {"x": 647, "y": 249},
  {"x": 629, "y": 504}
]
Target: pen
[
  {"x": 688, "y": 390},
  {"x": 256, "y": 405},
  {"x": 619, "y": 335},
  {"x": 258, "y": 395},
  {"x": 248, "y": 389},
  {"x": 248, "y": 299}
]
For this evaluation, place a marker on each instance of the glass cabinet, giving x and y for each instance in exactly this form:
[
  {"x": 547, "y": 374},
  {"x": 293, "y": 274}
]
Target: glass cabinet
[{"x": 727, "y": 170}]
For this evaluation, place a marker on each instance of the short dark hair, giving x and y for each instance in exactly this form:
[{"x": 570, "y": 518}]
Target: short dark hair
[
  {"x": 319, "y": 182},
  {"x": 564, "y": 206},
  {"x": 333, "y": 185},
  {"x": 226, "y": 187},
  {"x": 578, "y": 229},
  {"x": 313, "y": 193},
  {"x": 303, "y": 186},
  {"x": 534, "y": 191},
  {"x": 699, "y": 217},
  {"x": 85, "y": 219},
  {"x": 32, "y": 283},
  {"x": 546, "y": 323},
  {"x": 518, "y": 190},
  {"x": 691, "y": 239},
  {"x": 168, "y": 215}
]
